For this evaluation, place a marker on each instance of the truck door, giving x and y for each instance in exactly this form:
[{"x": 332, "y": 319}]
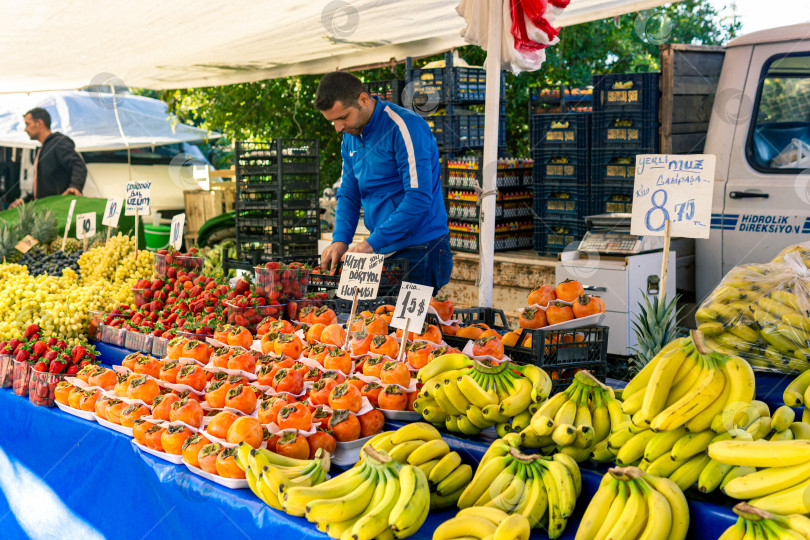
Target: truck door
[{"x": 767, "y": 196}]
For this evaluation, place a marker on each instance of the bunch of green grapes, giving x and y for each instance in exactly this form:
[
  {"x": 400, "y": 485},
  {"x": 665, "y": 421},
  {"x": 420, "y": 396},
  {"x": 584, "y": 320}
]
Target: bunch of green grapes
[{"x": 115, "y": 262}]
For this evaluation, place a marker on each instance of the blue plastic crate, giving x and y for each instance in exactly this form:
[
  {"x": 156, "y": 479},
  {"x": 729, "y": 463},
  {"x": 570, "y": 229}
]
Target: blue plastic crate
[
  {"x": 626, "y": 92},
  {"x": 457, "y": 132},
  {"x": 560, "y": 200},
  {"x": 552, "y": 236},
  {"x": 612, "y": 198},
  {"x": 616, "y": 166},
  {"x": 561, "y": 165},
  {"x": 624, "y": 129},
  {"x": 567, "y": 130}
]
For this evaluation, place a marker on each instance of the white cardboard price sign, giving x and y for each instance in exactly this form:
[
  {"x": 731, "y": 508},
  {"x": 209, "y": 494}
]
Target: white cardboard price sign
[
  {"x": 112, "y": 212},
  {"x": 361, "y": 272},
  {"x": 677, "y": 188},
  {"x": 85, "y": 225},
  {"x": 412, "y": 303},
  {"x": 176, "y": 233},
  {"x": 138, "y": 196}
]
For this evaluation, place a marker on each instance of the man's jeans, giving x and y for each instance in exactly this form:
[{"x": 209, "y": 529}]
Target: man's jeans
[{"x": 429, "y": 264}]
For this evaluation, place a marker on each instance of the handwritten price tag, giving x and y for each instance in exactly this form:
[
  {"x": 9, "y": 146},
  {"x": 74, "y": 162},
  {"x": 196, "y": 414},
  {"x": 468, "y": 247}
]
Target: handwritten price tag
[
  {"x": 85, "y": 225},
  {"x": 138, "y": 197},
  {"x": 412, "y": 303},
  {"x": 361, "y": 272},
  {"x": 176, "y": 233},
  {"x": 112, "y": 212},
  {"x": 677, "y": 188},
  {"x": 25, "y": 245}
]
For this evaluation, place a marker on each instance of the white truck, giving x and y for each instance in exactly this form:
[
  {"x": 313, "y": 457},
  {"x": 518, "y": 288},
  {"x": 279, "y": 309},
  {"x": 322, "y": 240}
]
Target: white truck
[{"x": 760, "y": 133}]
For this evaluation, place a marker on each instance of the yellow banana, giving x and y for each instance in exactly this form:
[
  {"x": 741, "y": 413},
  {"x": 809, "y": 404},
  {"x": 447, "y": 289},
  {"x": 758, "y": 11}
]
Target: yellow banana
[
  {"x": 597, "y": 511},
  {"x": 767, "y": 481},
  {"x": 677, "y": 504},
  {"x": 793, "y": 396},
  {"x": 709, "y": 388},
  {"x": 760, "y": 453},
  {"x": 662, "y": 443}
]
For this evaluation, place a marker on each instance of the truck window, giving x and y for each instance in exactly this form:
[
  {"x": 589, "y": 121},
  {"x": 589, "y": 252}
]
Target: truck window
[{"x": 779, "y": 139}]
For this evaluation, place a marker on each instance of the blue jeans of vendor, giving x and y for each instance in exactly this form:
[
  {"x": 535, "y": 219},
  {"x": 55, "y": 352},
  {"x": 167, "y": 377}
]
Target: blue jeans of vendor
[{"x": 429, "y": 264}]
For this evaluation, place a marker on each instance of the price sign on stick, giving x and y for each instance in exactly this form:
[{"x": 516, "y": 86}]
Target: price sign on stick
[
  {"x": 672, "y": 196},
  {"x": 85, "y": 225},
  {"x": 202, "y": 177},
  {"x": 138, "y": 198},
  {"x": 412, "y": 303},
  {"x": 112, "y": 212},
  {"x": 674, "y": 188},
  {"x": 361, "y": 274},
  {"x": 25, "y": 245},
  {"x": 67, "y": 223},
  {"x": 176, "y": 233}
]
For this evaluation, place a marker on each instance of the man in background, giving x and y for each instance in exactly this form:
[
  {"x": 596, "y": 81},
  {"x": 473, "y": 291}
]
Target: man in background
[{"x": 58, "y": 168}]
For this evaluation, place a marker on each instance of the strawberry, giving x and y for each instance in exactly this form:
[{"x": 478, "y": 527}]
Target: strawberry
[
  {"x": 51, "y": 355},
  {"x": 61, "y": 345},
  {"x": 57, "y": 367},
  {"x": 73, "y": 370},
  {"x": 13, "y": 344},
  {"x": 31, "y": 330},
  {"x": 23, "y": 353},
  {"x": 40, "y": 366},
  {"x": 40, "y": 347}
]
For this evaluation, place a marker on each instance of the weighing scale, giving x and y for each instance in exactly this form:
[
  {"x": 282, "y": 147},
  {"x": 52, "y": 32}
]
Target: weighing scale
[
  {"x": 609, "y": 234},
  {"x": 621, "y": 268}
]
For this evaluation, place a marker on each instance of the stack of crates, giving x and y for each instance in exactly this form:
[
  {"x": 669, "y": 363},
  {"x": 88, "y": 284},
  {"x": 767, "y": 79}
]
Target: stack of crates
[
  {"x": 625, "y": 123},
  {"x": 559, "y": 99},
  {"x": 277, "y": 190},
  {"x": 560, "y": 145},
  {"x": 463, "y": 181},
  {"x": 390, "y": 91},
  {"x": 442, "y": 96}
]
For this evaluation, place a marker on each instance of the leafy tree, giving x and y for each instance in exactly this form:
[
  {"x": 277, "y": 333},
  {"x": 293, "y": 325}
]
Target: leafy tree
[{"x": 283, "y": 107}]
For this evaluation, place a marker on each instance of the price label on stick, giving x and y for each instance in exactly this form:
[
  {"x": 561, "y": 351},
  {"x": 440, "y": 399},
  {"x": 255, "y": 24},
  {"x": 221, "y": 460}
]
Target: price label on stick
[
  {"x": 138, "y": 198},
  {"x": 112, "y": 212},
  {"x": 202, "y": 176},
  {"x": 85, "y": 225},
  {"x": 412, "y": 303},
  {"x": 176, "y": 233},
  {"x": 674, "y": 188},
  {"x": 25, "y": 245},
  {"x": 360, "y": 273},
  {"x": 67, "y": 222}
]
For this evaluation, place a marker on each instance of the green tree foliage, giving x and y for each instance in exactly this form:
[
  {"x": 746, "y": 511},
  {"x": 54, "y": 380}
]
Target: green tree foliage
[{"x": 283, "y": 107}]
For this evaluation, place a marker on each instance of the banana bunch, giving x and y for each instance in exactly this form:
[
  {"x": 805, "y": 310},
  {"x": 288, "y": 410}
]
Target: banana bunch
[
  {"x": 467, "y": 396},
  {"x": 486, "y": 522},
  {"x": 778, "y": 478},
  {"x": 576, "y": 421},
  {"x": 761, "y": 313},
  {"x": 268, "y": 473},
  {"x": 421, "y": 445},
  {"x": 380, "y": 498},
  {"x": 796, "y": 394},
  {"x": 631, "y": 504},
  {"x": 535, "y": 487},
  {"x": 755, "y": 523},
  {"x": 688, "y": 385}
]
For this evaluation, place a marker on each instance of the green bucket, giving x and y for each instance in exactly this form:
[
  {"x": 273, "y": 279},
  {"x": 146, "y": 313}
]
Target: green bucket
[{"x": 156, "y": 236}]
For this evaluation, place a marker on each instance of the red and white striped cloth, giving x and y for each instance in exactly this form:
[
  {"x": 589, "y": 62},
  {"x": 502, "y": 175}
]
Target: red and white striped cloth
[{"x": 527, "y": 29}]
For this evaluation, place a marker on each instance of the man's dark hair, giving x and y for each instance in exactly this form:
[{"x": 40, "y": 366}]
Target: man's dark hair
[
  {"x": 338, "y": 86},
  {"x": 38, "y": 113}
]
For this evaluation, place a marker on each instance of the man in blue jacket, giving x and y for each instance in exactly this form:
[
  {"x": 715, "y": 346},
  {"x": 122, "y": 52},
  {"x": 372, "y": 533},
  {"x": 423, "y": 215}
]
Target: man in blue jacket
[{"x": 391, "y": 167}]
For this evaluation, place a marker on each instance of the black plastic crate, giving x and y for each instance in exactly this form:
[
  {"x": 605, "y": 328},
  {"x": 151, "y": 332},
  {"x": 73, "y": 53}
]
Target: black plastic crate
[
  {"x": 469, "y": 210},
  {"x": 247, "y": 219},
  {"x": 277, "y": 157},
  {"x": 622, "y": 129},
  {"x": 457, "y": 132},
  {"x": 561, "y": 199},
  {"x": 611, "y": 165},
  {"x": 344, "y": 307},
  {"x": 513, "y": 235},
  {"x": 492, "y": 317},
  {"x": 266, "y": 250},
  {"x": 466, "y": 173},
  {"x": 561, "y": 166},
  {"x": 276, "y": 200},
  {"x": 311, "y": 259},
  {"x": 552, "y": 236},
  {"x": 559, "y": 99},
  {"x": 626, "y": 91},
  {"x": 567, "y": 130},
  {"x": 561, "y": 379},
  {"x": 449, "y": 84},
  {"x": 390, "y": 91},
  {"x": 268, "y": 183},
  {"x": 393, "y": 272},
  {"x": 612, "y": 198}
]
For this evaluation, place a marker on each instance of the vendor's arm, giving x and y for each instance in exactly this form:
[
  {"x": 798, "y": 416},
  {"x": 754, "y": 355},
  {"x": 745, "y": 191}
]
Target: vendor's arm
[
  {"x": 72, "y": 161},
  {"x": 412, "y": 148}
]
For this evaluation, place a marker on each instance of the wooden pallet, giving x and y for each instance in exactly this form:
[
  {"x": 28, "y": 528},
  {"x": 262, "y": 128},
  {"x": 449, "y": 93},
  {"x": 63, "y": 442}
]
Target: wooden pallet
[{"x": 689, "y": 76}]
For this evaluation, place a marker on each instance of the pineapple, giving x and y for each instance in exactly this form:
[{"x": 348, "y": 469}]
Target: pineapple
[
  {"x": 44, "y": 228},
  {"x": 655, "y": 326},
  {"x": 55, "y": 246},
  {"x": 26, "y": 215},
  {"x": 72, "y": 245},
  {"x": 8, "y": 239}
]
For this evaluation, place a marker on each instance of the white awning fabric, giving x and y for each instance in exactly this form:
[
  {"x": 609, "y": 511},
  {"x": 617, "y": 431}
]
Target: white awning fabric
[{"x": 69, "y": 44}]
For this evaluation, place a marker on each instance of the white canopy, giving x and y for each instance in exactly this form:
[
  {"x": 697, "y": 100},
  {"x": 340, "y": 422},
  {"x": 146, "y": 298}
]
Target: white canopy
[
  {"x": 89, "y": 118},
  {"x": 68, "y": 44}
]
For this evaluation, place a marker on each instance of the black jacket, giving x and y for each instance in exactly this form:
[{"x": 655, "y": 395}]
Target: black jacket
[{"x": 59, "y": 167}]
